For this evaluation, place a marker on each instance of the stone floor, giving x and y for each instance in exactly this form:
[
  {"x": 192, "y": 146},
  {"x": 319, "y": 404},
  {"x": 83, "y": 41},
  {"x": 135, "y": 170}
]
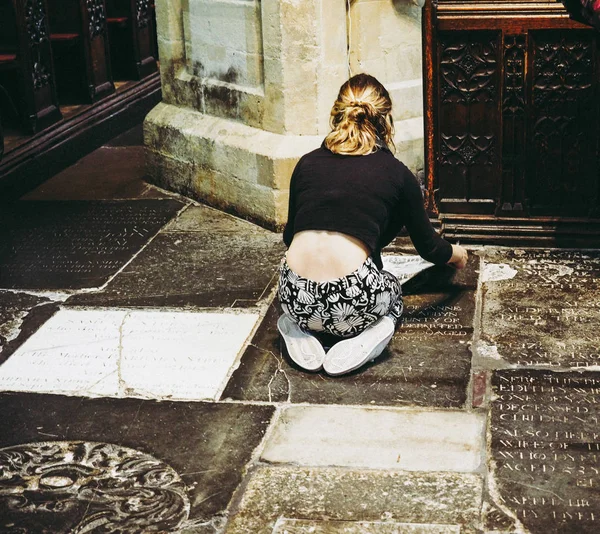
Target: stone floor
[{"x": 143, "y": 386}]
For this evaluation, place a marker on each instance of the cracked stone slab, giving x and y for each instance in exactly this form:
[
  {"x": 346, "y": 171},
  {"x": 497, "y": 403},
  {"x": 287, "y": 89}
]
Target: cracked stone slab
[
  {"x": 14, "y": 309},
  {"x": 545, "y": 447},
  {"x": 205, "y": 258},
  {"x": 75, "y": 244},
  {"x": 377, "y": 438},
  {"x": 117, "y": 353},
  {"x": 206, "y": 444},
  {"x": 301, "y": 526},
  {"x": 329, "y": 495},
  {"x": 427, "y": 362},
  {"x": 541, "y": 308}
]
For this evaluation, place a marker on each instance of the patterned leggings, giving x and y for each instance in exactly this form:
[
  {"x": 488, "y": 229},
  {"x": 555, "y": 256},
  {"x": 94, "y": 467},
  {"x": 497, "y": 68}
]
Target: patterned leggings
[{"x": 342, "y": 307}]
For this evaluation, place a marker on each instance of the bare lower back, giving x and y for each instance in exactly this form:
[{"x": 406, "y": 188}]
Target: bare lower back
[{"x": 321, "y": 255}]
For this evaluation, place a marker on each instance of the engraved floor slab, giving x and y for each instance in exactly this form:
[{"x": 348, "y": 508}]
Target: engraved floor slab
[
  {"x": 541, "y": 308},
  {"x": 377, "y": 438},
  {"x": 545, "y": 446},
  {"x": 70, "y": 245},
  {"x": 426, "y": 364},
  {"x": 206, "y": 258},
  {"x": 129, "y": 465},
  {"x": 302, "y": 526},
  {"x": 332, "y": 495},
  {"x": 118, "y": 353}
]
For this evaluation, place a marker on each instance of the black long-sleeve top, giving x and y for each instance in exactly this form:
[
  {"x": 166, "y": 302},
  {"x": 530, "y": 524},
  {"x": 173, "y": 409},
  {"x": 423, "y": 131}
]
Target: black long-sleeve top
[{"x": 368, "y": 197}]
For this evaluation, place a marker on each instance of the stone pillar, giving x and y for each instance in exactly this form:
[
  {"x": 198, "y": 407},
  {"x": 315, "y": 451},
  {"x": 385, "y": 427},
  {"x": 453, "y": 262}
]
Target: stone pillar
[
  {"x": 248, "y": 86},
  {"x": 385, "y": 41}
]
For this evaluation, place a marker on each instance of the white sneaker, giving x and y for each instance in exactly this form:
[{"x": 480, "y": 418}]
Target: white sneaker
[
  {"x": 350, "y": 354},
  {"x": 305, "y": 349}
]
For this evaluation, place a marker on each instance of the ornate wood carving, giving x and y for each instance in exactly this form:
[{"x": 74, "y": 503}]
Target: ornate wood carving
[
  {"x": 142, "y": 8},
  {"x": 562, "y": 72},
  {"x": 467, "y": 149},
  {"x": 97, "y": 17},
  {"x": 35, "y": 17},
  {"x": 467, "y": 71},
  {"x": 513, "y": 118},
  {"x": 37, "y": 34},
  {"x": 513, "y": 98}
]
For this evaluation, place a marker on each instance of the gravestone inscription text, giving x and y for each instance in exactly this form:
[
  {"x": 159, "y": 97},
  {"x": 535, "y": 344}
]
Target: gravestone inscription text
[{"x": 546, "y": 448}]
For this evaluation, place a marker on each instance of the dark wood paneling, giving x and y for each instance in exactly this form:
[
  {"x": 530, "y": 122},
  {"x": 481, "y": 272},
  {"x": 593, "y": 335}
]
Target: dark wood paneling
[{"x": 511, "y": 121}]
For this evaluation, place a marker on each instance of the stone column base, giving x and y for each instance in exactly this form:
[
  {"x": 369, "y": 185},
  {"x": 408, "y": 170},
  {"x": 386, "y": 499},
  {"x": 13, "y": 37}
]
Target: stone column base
[{"x": 237, "y": 168}]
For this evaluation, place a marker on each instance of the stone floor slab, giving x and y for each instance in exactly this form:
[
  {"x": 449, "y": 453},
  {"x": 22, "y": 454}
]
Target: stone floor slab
[
  {"x": 426, "y": 364},
  {"x": 14, "y": 309},
  {"x": 301, "y": 526},
  {"x": 118, "y": 462},
  {"x": 540, "y": 308},
  {"x": 377, "y": 438},
  {"x": 545, "y": 447},
  {"x": 337, "y": 494},
  {"x": 105, "y": 174},
  {"x": 117, "y": 353},
  {"x": 206, "y": 258},
  {"x": 75, "y": 244}
]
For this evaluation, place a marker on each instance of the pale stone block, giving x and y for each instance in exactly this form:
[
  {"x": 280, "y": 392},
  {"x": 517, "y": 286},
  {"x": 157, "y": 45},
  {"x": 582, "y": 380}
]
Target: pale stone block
[
  {"x": 409, "y": 142},
  {"x": 170, "y": 173},
  {"x": 116, "y": 353},
  {"x": 316, "y": 526},
  {"x": 222, "y": 38},
  {"x": 168, "y": 52},
  {"x": 407, "y": 99},
  {"x": 181, "y": 355},
  {"x": 230, "y": 25},
  {"x": 377, "y": 438},
  {"x": 273, "y": 493},
  {"x": 169, "y": 20},
  {"x": 73, "y": 353},
  {"x": 366, "y": 35},
  {"x": 333, "y": 33},
  {"x": 405, "y": 66}
]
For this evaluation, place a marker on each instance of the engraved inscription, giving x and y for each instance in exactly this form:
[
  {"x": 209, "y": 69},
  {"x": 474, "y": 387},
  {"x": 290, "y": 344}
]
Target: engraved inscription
[
  {"x": 434, "y": 321},
  {"x": 547, "y": 313},
  {"x": 76, "y": 244},
  {"x": 546, "y": 447}
]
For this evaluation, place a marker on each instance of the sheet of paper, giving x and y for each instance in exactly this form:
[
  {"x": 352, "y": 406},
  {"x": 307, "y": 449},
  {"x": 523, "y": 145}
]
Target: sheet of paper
[{"x": 405, "y": 267}]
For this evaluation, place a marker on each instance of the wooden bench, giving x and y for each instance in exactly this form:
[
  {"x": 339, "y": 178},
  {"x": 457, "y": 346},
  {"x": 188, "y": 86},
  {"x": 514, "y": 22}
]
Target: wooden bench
[
  {"x": 132, "y": 38},
  {"x": 80, "y": 47},
  {"x": 27, "y": 94}
]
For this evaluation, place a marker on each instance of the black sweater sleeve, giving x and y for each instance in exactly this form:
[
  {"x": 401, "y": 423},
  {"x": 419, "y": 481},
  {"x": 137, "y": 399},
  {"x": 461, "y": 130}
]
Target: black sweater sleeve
[
  {"x": 288, "y": 231},
  {"x": 428, "y": 243}
]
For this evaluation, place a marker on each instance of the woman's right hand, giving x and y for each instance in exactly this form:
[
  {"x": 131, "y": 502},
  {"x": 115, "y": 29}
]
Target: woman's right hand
[{"x": 459, "y": 257}]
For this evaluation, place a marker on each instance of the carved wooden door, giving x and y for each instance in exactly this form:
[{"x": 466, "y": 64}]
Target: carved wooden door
[{"x": 512, "y": 118}]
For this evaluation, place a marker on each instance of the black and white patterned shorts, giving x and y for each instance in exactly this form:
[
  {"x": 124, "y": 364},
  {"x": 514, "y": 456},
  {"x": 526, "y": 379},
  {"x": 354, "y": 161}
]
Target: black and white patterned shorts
[{"x": 342, "y": 307}]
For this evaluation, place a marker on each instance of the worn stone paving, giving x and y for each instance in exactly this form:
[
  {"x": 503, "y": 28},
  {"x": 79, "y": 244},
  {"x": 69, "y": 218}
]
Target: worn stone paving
[{"x": 154, "y": 396}]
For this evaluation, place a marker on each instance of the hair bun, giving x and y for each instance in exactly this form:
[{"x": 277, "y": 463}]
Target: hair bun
[{"x": 356, "y": 113}]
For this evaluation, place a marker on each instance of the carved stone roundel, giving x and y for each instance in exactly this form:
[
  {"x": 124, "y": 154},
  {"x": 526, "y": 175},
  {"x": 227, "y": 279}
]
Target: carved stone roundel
[{"x": 81, "y": 487}]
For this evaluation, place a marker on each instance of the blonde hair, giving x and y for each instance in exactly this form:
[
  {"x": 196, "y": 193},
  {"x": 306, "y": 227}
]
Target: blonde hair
[{"x": 361, "y": 118}]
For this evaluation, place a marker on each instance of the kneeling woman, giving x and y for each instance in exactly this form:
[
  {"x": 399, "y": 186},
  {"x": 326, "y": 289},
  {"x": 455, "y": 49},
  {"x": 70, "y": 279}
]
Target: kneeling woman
[{"x": 348, "y": 200}]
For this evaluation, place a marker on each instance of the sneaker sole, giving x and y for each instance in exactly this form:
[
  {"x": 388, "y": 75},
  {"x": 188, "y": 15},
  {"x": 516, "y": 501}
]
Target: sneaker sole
[
  {"x": 376, "y": 338},
  {"x": 299, "y": 343}
]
